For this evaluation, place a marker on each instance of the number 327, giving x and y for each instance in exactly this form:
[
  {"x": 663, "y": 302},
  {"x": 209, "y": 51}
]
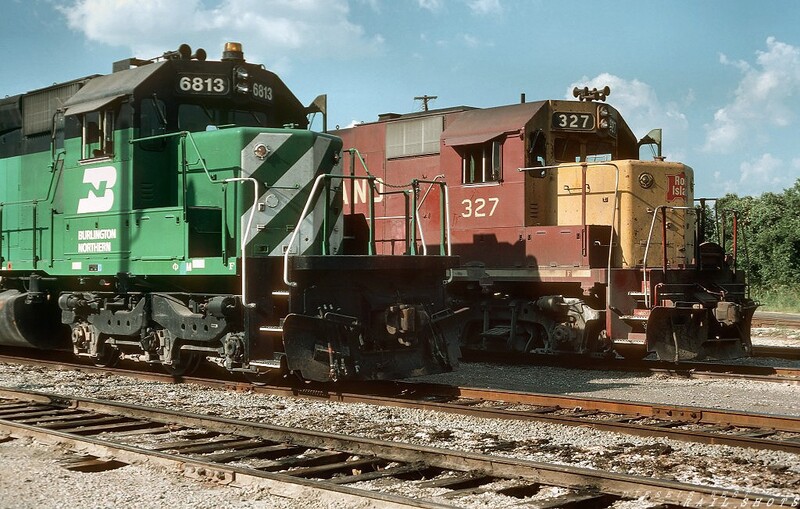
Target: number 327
[{"x": 478, "y": 207}]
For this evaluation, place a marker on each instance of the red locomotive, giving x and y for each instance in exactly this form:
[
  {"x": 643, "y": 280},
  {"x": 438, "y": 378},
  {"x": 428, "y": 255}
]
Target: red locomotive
[{"x": 568, "y": 242}]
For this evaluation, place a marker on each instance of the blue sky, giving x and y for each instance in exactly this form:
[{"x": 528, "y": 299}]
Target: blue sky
[{"x": 721, "y": 78}]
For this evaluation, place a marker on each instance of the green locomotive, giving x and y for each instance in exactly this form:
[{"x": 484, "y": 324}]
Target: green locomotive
[{"x": 180, "y": 210}]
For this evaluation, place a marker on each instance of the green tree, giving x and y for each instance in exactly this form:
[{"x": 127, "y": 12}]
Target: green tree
[{"x": 769, "y": 236}]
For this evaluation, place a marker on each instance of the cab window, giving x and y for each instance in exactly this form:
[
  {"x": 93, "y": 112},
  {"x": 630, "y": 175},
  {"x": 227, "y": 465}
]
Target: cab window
[
  {"x": 482, "y": 162},
  {"x": 97, "y": 134}
]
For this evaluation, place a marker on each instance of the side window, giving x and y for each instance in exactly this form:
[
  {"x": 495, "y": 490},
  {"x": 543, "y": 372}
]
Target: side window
[
  {"x": 58, "y": 130},
  {"x": 482, "y": 162},
  {"x": 98, "y": 134}
]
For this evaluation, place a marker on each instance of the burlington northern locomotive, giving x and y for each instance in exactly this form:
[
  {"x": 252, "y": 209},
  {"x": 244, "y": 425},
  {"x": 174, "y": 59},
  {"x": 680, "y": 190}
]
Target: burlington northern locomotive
[
  {"x": 179, "y": 210},
  {"x": 568, "y": 242}
]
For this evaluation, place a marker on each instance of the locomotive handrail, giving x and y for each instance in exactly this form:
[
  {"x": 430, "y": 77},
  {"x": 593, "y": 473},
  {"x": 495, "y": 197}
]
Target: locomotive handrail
[
  {"x": 445, "y": 192},
  {"x": 296, "y": 231},
  {"x": 55, "y": 174},
  {"x": 213, "y": 180},
  {"x": 312, "y": 197},
  {"x": 444, "y": 228},
  {"x": 585, "y": 165},
  {"x": 243, "y": 242},
  {"x": 50, "y": 187},
  {"x": 182, "y": 134},
  {"x": 663, "y": 209},
  {"x": 444, "y": 215}
]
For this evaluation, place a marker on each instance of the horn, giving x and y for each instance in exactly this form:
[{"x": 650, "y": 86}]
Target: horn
[
  {"x": 200, "y": 55},
  {"x": 185, "y": 51}
]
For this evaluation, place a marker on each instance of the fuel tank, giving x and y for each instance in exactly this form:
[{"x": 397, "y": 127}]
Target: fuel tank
[{"x": 30, "y": 325}]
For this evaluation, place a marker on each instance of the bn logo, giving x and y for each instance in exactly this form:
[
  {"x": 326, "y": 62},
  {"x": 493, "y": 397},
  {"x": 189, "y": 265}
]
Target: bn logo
[
  {"x": 676, "y": 187},
  {"x": 101, "y": 195}
]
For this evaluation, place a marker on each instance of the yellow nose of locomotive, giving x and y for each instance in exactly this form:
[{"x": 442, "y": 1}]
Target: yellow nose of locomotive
[{"x": 642, "y": 188}]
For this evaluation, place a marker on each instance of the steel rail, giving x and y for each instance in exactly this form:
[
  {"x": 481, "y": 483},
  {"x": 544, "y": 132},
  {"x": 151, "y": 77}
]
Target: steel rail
[
  {"x": 587, "y": 481},
  {"x": 688, "y": 369},
  {"x": 775, "y": 319},
  {"x": 776, "y": 351},
  {"x": 684, "y": 423}
]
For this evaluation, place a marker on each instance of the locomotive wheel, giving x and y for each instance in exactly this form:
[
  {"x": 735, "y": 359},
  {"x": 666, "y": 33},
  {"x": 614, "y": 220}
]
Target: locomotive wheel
[
  {"x": 631, "y": 352},
  {"x": 108, "y": 357},
  {"x": 187, "y": 363},
  {"x": 271, "y": 377}
]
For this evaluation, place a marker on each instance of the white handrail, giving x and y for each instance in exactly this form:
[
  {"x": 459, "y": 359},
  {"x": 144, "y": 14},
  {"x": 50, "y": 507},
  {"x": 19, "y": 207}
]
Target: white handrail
[
  {"x": 243, "y": 242},
  {"x": 647, "y": 247},
  {"x": 447, "y": 216},
  {"x": 296, "y": 231}
]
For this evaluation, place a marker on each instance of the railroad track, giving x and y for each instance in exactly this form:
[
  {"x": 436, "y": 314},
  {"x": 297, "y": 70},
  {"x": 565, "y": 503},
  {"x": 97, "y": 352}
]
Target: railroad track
[
  {"x": 685, "y": 423},
  {"x": 295, "y": 462},
  {"x": 773, "y": 319},
  {"x": 777, "y": 352},
  {"x": 753, "y": 372}
]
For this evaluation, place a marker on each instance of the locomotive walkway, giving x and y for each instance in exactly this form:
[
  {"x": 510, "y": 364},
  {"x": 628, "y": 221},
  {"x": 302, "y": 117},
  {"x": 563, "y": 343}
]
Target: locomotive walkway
[{"x": 294, "y": 462}]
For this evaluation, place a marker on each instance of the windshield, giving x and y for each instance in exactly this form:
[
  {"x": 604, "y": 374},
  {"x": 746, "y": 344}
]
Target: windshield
[
  {"x": 568, "y": 150},
  {"x": 198, "y": 117}
]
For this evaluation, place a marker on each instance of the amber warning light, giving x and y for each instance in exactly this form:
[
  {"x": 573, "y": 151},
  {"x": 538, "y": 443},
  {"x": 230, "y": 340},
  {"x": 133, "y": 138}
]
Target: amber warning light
[{"x": 233, "y": 51}]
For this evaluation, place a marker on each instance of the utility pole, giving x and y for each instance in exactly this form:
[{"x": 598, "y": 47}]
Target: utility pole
[{"x": 425, "y": 100}]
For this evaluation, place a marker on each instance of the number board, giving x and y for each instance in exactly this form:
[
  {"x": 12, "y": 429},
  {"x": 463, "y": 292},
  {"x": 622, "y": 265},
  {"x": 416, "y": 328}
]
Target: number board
[
  {"x": 573, "y": 121},
  {"x": 612, "y": 126},
  {"x": 261, "y": 91},
  {"x": 203, "y": 84}
]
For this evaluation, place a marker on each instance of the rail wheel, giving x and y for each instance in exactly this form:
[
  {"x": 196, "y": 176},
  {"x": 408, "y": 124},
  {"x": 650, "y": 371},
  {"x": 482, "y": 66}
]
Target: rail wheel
[
  {"x": 187, "y": 363},
  {"x": 184, "y": 362},
  {"x": 107, "y": 357},
  {"x": 271, "y": 377},
  {"x": 631, "y": 352}
]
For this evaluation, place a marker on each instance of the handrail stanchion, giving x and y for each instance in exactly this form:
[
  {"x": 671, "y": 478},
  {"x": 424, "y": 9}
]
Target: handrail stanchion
[
  {"x": 613, "y": 209},
  {"x": 414, "y": 200}
]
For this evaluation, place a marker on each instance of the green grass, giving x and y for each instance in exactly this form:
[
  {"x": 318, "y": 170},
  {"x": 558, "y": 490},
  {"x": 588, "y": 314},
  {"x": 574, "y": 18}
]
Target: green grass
[{"x": 777, "y": 298}]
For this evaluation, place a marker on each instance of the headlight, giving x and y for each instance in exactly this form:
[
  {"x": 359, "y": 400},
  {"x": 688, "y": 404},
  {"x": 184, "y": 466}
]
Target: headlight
[
  {"x": 261, "y": 151},
  {"x": 646, "y": 180}
]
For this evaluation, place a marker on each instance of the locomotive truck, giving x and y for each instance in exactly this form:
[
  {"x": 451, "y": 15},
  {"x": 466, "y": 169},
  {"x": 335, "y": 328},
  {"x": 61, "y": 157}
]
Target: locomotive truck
[
  {"x": 179, "y": 210},
  {"x": 568, "y": 242}
]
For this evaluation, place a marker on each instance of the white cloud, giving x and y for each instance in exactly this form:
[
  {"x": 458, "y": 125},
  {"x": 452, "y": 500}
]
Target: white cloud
[
  {"x": 766, "y": 173},
  {"x": 268, "y": 29},
  {"x": 431, "y": 5},
  {"x": 473, "y": 42},
  {"x": 639, "y": 105},
  {"x": 483, "y": 7},
  {"x": 765, "y": 97},
  {"x": 372, "y": 4}
]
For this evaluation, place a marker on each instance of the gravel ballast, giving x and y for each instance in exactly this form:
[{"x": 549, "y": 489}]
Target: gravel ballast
[{"x": 772, "y": 472}]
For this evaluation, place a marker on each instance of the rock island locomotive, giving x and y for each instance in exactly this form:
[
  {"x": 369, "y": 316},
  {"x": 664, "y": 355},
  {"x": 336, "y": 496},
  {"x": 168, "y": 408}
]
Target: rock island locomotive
[
  {"x": 568, "y": 242},
  {"x": 179, "y": 210}
]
